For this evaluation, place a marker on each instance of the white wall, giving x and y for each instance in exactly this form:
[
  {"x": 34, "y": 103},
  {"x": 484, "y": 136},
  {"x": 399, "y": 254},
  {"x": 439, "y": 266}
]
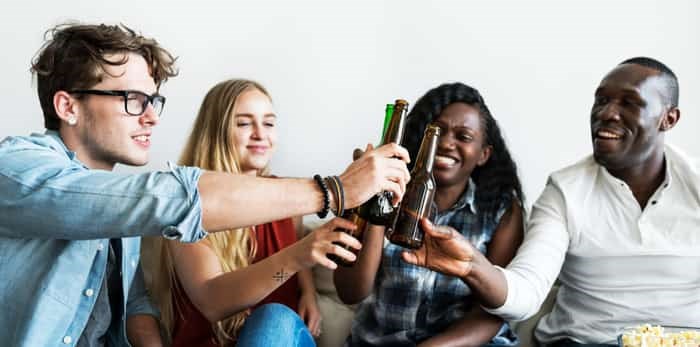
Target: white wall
[{"x": 332, "y": 67}]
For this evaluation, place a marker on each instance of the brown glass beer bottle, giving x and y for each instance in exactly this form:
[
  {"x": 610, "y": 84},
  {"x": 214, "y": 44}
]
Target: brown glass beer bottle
[
  {"x": 358, "y": 233},
  {"x": 418, "y": 199}
]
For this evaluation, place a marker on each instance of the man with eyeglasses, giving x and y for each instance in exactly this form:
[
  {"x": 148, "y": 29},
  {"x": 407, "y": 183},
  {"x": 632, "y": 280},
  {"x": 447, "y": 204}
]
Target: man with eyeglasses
[{"x": 70, "y": 228}]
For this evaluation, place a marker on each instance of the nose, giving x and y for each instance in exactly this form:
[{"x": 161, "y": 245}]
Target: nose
[
  {"x": 446, "y": 141},
  {"x": 258, "y": 132},
  {"x": 149, "y": 116},
  {"x": 610, "y": 111}
]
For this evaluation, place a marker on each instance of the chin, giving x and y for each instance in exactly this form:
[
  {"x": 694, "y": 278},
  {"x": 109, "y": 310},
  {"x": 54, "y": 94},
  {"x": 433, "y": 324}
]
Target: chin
[
  {"x": 259, "y": 166},
  {"x": 135, "y": 161},
  {"x": 445, "y": 180},
  {"x": 607, "y": 160}
]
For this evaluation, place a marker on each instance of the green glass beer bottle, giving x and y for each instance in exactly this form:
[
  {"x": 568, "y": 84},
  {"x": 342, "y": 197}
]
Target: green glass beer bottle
[
  {"x": 352, "y": 214},
  {"x": 378, "y": 210}
]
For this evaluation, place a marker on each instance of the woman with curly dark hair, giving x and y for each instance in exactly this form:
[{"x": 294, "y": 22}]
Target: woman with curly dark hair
[{"x": 478, "y": 194}]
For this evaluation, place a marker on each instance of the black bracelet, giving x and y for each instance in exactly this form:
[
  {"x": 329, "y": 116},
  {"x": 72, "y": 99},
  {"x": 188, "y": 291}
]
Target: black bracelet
[
  {"x": 333, "y": 188},
  {"x": 341, "y": 198},
  {"x": 326, "y": 199}
]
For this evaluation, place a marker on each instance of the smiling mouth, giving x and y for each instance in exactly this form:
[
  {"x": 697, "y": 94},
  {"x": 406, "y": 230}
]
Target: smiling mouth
[
  {"x": 442, "y": 161},
  {"x": 257, "y": 149},
  {"x": 143, "y": 140},
  {"x": 607, "y": 135}
]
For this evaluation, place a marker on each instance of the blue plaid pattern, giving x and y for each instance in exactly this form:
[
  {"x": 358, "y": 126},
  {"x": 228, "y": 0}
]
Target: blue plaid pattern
[{"x": 409, "y": 303}]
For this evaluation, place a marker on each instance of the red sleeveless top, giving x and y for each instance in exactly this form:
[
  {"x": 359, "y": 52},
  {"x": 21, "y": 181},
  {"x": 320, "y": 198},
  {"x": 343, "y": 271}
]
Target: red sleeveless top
[{"x": 191, "y": 328}]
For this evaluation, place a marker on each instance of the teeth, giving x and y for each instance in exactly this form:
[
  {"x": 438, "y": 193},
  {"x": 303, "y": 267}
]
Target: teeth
[
  {"x": 444, "y": 160},
  {"x": 142, "y": 138},
  {"x": 607, "y": 135}
]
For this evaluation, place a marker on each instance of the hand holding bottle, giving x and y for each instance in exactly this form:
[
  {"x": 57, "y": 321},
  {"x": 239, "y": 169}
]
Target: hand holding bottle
[
  {"x": 377, "y": 170},
  {"x": 444, "y": 250}
]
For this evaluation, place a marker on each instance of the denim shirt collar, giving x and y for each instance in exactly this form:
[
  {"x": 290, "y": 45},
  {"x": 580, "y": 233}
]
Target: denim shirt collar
[
  {"x": 467, "y": 198},
  {"x": 58, "y": 145}
]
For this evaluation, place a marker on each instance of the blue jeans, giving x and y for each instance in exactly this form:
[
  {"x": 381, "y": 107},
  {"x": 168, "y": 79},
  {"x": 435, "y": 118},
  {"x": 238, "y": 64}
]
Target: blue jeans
[{"x": 274, "y": 325}]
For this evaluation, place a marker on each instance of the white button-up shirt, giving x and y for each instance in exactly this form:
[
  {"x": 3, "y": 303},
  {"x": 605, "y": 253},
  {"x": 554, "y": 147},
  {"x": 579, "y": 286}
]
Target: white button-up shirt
[{"x": 619, "y": 265}]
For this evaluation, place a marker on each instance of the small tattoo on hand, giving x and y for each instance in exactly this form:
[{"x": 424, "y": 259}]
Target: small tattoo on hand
[{"x": 281, "y": 276}]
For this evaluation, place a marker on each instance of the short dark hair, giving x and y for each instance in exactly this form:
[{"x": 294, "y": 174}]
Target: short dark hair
[
  {"x": 497, "y": 182},
  {"x": 73, "y": 57},
  {"x": 671, "y": 93}
]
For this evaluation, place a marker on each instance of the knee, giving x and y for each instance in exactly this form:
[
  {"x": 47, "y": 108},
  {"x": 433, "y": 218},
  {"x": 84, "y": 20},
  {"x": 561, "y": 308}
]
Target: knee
[
  {"x": 274, "y": 325},
  {"x": 277, "y": 315}
]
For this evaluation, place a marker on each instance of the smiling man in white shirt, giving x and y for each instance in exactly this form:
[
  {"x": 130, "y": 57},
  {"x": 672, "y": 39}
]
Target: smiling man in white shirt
[{"x": 620, "y": 228}]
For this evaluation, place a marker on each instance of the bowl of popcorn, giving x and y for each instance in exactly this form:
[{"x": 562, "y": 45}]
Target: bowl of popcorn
[{"x": 648, "y": 335}]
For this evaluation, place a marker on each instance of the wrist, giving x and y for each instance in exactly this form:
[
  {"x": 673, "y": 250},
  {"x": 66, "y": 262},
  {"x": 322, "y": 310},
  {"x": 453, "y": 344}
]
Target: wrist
[
  {"x": 293, "y": 260},
  {"x": 337, "y": 196},
  {"x": 308, "y": 294},
  {"x": 325, "y": 195},
  {"x": 479, "y": 267}
]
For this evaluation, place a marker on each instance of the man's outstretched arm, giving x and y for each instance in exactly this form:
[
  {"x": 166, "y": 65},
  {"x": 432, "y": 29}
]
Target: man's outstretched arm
[
  {"x": 231, "y": 201},
  {"x": 513, "y": 293}
]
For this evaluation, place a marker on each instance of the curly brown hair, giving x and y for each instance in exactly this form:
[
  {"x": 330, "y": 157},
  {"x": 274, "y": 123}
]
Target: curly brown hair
[{"x": 74, "y": 56}]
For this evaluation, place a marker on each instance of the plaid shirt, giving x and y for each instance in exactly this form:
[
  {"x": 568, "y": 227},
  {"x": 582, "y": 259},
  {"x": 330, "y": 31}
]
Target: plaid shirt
[{"x": 409, "y": 303}]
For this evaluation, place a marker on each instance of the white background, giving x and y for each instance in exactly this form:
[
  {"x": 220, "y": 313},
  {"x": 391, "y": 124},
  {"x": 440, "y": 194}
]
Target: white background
[{"x": 332, "y": 66}]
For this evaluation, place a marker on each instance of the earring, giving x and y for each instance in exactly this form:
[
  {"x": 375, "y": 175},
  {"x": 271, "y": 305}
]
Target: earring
[{"x": 72, "y": 120}]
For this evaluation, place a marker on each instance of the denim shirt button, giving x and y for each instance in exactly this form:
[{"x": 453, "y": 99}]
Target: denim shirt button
[
  {"x": 133, "y": 263},
  {"x": 171, "y": 233},
  {"x": 100, "y": 247},
  {"x": 89, "y": 292},
  {"x": 67, "y": 339}
]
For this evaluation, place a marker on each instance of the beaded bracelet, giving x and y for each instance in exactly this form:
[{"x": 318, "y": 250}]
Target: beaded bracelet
[
  {"x": 334, "y": 190},
  {"x": 326, "y": 199}
]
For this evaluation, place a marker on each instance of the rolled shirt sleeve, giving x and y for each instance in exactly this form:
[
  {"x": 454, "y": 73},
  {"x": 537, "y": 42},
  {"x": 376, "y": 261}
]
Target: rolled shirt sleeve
[{"x": 47, "y": 194}]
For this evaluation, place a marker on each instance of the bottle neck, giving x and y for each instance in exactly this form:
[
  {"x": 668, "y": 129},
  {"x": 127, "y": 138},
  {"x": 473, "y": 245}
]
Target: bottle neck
[
  {"x": 394, "y": 132},
  {"x": 426, "y": 153}
]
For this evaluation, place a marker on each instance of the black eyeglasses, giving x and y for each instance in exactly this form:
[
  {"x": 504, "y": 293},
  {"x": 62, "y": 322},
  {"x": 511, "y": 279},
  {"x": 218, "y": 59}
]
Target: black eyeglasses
[{"x": 135, "y": 102}]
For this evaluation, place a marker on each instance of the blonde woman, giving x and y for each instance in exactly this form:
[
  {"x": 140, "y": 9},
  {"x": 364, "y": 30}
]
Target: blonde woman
[{"x": 210, "y": 293}]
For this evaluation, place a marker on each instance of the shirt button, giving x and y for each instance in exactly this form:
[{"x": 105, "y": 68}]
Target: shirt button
[
  {"x": 67, "y": 339},
  {"x": 100, "y": 247},
  {"x": 89, "y": 292},
  {"x": 133, "y": 263}
]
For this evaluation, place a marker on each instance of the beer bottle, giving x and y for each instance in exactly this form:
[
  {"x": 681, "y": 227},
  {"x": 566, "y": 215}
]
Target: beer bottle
[
  {"x": 378, "y": 210},
  {"x": 358, "y": 233},
  {"x": 388, "y": 111},
  {"x": 353, "y": 214},
  {"x": 420, "y": 191}
]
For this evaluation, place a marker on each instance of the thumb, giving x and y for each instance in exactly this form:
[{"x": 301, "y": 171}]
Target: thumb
[
  {"x": 357, "y": 153},
  {"x": 410, "y": 257},
  {"x": 436, "y": 231}
]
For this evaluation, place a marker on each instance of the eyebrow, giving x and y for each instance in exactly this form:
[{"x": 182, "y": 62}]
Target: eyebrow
[
  {"x": 248, "y": 115},
  {"x": 626, "y": 90},
  {"x": 456, "y": 127}
]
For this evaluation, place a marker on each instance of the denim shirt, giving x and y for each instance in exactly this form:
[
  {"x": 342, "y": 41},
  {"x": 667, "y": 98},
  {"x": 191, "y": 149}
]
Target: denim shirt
[{"x": 56, "y": 219}]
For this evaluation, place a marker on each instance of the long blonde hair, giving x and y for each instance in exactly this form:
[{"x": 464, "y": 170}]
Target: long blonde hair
[{"x": 210, "y": 147}]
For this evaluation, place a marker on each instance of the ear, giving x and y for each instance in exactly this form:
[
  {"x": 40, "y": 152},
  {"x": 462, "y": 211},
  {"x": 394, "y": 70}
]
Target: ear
[
  {"x": 65, "y": 105},
  {"x": 670, "y": 118},
  {"x": 485, "y": 155}
]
